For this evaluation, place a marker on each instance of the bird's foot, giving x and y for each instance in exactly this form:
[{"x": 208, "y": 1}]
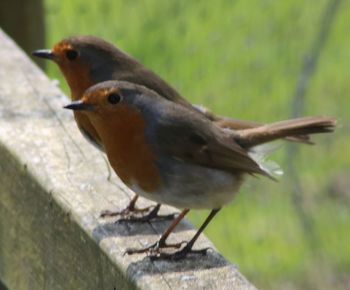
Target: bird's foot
[
  {"x": 151, "y": 216},
  {"x": 179, "y": 255},
  {"x": 154, "y": 249},
  {"x": 127, "y": 212}
]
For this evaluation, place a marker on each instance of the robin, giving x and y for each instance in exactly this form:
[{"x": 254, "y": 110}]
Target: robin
[
  {"x": 88, "y": 60},
  {"x": 172, "y": 154}
]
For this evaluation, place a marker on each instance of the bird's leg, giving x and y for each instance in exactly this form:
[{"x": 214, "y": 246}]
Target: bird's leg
[
  {"x": 128, "y": 211},
  {"x": 188, "y": 248},
  {"x": 161, "y": 243}
]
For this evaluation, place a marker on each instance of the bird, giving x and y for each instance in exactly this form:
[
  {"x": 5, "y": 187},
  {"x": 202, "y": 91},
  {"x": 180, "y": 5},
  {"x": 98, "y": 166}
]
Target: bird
[
  {"x": 86, "y": 60},
  {"x": 171, "y": 154}
]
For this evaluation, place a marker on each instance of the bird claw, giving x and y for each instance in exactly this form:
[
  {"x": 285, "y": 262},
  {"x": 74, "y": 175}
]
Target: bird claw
[
  {"x": 125, "y": 213},
  {"x": 152, "y": 215},
  {"x": 149, "y": 217},
  {"x": 181, "y": 254},
  {"x": 155, "y": 253},
  {"x": 154, "y": 249}
]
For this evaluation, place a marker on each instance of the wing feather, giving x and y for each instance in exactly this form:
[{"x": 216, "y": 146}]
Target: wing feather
[{"x": 190, "y": 137}]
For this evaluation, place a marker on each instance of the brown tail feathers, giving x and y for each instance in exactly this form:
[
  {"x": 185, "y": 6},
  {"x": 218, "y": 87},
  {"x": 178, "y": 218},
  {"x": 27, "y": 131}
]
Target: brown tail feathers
[
  {"x": 236, "y": 124},
  {"x": 304, "y": 126}
]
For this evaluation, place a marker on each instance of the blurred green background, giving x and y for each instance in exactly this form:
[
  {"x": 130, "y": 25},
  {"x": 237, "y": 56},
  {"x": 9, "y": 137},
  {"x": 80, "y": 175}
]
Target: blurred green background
[{"x": 243, "y": 59}]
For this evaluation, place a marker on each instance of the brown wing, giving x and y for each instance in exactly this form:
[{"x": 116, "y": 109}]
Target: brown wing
[{"x": 192, "y": 138}]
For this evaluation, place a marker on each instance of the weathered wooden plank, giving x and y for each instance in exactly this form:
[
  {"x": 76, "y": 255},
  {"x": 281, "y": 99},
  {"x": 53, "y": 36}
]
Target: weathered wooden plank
[{"x": 53, "y": 185}]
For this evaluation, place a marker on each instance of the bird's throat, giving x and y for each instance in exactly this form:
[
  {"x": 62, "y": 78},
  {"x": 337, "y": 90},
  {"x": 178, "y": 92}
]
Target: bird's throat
[{"x": 123, "y": 135}]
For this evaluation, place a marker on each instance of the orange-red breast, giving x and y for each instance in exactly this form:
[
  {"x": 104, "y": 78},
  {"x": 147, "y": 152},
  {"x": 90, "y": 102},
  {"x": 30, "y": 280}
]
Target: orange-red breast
[
  {"x": 172, "y": 154},
  {"x": 88, "y": 60}
]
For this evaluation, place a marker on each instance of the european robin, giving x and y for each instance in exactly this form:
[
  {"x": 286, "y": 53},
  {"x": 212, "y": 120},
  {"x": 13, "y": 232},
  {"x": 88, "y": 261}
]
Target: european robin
[
  {"x": 88, "y": 60},
  {"x": 174, "y": 155}
]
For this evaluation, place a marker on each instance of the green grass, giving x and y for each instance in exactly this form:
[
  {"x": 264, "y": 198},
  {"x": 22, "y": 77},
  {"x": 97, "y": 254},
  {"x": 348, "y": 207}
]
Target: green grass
[{"x": 242, "y": 59}]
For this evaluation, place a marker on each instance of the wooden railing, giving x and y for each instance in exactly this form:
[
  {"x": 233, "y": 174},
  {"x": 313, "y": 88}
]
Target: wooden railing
[{"x": 53, "y": 185}]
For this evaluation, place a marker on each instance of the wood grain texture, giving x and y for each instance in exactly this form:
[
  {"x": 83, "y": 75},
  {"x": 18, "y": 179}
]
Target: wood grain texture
[{"x": 53, "y": 186}]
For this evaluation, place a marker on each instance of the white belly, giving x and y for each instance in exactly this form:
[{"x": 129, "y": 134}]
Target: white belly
[{"x": 191, "y": 186}]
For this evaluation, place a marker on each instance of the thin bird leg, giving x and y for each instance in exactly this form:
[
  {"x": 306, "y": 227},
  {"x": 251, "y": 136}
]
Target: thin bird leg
[
  {"x": 128, "y": 211},
  {"x": 161, "y": 243},
  {"x": 188, "y": 248}
]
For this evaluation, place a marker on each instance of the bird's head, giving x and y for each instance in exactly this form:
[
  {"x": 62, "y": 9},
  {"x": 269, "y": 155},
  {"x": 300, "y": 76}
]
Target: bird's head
[{"x": 85, "y": 61}]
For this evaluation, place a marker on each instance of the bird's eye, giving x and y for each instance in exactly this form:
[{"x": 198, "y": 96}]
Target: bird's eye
[
  {"x": 71, "y": 54},
  {"x": 114, "y": 98}
]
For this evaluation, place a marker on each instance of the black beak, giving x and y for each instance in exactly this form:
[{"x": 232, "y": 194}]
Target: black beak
[
  {"x": 79, "y": 106},
  {"x": 44, "y": 53}
]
